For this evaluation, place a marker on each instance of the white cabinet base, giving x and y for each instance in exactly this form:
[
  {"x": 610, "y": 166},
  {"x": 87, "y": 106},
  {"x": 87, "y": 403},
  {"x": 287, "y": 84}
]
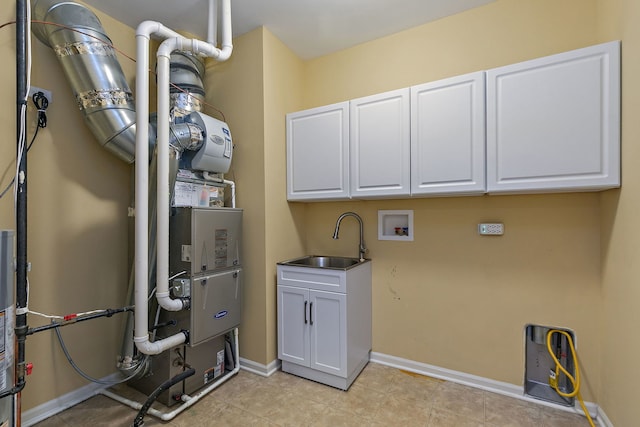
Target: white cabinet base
[
  {"x": 323, "y": 377},
  {"x": 324, "y": 322}
]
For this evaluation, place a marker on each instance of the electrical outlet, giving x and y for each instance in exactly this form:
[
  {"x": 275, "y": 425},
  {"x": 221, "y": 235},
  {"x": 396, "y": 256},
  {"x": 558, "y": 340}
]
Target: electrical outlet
[
  {"x": 494, "y": 229},
  {"x": 47, "y": 93}
]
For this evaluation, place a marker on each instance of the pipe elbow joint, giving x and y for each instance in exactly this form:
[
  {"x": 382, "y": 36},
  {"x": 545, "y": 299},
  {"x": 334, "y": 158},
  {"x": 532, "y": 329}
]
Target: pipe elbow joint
[
  {"x": 168, "y": 46},
  {"x": 168, "y": 303},
  {"x": 211, "y": 51},
  {"x": 146, "y": 28},
  {"x": 147, "y": 347},
  {"x": 224, "y": 53}
]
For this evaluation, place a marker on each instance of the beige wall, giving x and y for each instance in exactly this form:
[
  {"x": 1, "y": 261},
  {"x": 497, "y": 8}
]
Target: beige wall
[
  {"x": 236, "y": 87},
  {"x": 78, "y": 195},
  {"x": 499, "y": 33},
  {"x": 452, "y": 298},
  {"x": 621, "y": 232},
  {"x": 283, "y": 76}
]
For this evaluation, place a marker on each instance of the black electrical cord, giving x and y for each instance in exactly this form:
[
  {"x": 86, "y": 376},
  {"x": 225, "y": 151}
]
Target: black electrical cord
[
  {"x": 42, "y": 103},
  {"x": 139, "y": 420}
]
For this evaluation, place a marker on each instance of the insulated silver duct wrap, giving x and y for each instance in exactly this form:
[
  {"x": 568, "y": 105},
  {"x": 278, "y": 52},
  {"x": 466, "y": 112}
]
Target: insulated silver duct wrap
[
  {"x": 93, "y": 71},
  {"x": 186, "y": 71}
]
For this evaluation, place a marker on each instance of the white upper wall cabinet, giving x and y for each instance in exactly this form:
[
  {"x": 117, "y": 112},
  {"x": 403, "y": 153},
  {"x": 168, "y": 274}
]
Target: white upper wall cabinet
[
  {"x": 379, "y": 145},
  {"x": 448, "y": 136},
  {"x": 547, "y": 125},
  {"x": 318, "y": 153},
  {"x": 553, "y": 124}
]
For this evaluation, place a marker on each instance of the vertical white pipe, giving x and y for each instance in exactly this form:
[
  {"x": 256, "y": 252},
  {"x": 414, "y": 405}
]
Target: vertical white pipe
[
  {"x": 233, "y": 191},
  {"x": 141, "y": 264},
  {"x": 164, "y": 119},
  {"x": 212, "y": 35},
  {"x": 226, "y": 25},
  {"x": 209, "y": 49}
]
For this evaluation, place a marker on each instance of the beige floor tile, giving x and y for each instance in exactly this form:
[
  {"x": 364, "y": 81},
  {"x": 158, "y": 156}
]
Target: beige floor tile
[
  {"x": 336, "y": 418},
  {"x": 400, "y": 412},
  {"x": 557, "y": 418},
  {"x": 206, "y": 408},
  {"x": 418, "y": 388},
  {"x": 228, "y": 416},
  {"x": 319, "y": 392},
  {"x": 381, "y": 396},
  {"x": 444, "y": 418},
  {"x": 283, "y": 379},
  {"x": 298, "y": 411},
  {"x": 503, "y": 411},
  {"x": 462, "y": 400},
  {"x": 376, "y": 376},
  {"x": 360, "y": 401},
  {"x": 100, "y": 411},
  {"x": 260, "y": 398}
]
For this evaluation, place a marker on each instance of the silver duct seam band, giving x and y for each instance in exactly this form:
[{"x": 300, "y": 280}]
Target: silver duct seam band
[
  {"x": 104, "y": 98},
  {"x": 84, "y": 48},
  {"x": 185, "y": 104},
  {"x": 187, "y": 136}
]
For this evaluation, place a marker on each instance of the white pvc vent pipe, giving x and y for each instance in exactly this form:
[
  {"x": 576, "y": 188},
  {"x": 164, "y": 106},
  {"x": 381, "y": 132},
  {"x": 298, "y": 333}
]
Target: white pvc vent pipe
[{"x": 173, "y": 41}]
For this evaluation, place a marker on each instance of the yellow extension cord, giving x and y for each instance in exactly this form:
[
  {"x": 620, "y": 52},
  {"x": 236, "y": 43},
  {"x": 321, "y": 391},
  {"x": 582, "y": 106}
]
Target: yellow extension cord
[{"x": 575, "y": 382}]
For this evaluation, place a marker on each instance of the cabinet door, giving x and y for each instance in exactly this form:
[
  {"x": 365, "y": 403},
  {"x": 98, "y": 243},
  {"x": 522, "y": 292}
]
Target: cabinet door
[
  {"x": 293, "y": 325},
  {"x": 448, "y": 136},
  {"x": 328, "y": 326},
  {"x": 379, "y": 145},
  {"x": 553, "y": 124},
  {"x": 318, "y": 153}
]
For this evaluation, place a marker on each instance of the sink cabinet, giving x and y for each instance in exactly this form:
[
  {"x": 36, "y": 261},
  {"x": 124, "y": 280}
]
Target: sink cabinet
[{"x": 324, "y": 322}]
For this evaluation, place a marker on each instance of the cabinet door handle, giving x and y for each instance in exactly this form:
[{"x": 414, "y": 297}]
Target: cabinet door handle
[
  {"x": 305, "y": 312},
  {"x": 311, "y": 313}
]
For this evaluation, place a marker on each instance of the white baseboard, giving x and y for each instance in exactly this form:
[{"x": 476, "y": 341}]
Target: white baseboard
[
  {"x": 603, "y": 420},
  {"x": 66, "y": 401},
  {"x": 259, "y": 368},
  {"x": 482, "y": 383}
]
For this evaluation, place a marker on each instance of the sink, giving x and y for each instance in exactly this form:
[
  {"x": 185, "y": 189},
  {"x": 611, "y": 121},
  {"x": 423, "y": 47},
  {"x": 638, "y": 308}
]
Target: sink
[{"x": 320, "y": 261}]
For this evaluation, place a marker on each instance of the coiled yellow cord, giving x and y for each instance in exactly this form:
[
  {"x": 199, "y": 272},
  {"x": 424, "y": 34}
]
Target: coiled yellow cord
[{"x": 575, "y": 382}]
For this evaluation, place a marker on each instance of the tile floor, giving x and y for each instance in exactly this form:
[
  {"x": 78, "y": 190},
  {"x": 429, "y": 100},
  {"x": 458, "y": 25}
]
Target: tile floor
[{"x": 381, "y": 396}]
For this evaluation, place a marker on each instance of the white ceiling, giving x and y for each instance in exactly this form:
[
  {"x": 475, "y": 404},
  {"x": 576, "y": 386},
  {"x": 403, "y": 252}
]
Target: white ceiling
[{"x": 310, "y": 28}]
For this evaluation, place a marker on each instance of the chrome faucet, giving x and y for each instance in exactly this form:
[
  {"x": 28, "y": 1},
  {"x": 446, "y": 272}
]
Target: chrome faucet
[{"x": 361, "y": 248}]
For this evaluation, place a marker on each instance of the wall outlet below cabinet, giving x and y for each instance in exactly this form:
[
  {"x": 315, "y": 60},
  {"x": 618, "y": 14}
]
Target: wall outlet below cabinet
[{"x": 395, "y": 225}]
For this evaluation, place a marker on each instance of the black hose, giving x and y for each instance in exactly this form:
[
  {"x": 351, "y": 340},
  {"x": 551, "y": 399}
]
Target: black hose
[
  {"x": 103, "y": 313},
  {"x": 139, "y": 420}
]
